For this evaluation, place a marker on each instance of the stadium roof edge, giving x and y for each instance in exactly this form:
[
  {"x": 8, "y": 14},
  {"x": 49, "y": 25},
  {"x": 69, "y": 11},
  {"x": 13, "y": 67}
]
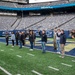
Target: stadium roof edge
[{"x": 38, "y": 8}]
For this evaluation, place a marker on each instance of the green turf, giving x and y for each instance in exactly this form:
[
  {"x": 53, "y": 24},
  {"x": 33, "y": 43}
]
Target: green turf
[
  {"x": 39, "y": 62},
  {"x": 2, "y": 73}
]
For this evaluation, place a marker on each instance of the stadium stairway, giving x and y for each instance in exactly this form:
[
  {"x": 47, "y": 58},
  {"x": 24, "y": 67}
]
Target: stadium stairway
[{"x": 17, "y": 22}]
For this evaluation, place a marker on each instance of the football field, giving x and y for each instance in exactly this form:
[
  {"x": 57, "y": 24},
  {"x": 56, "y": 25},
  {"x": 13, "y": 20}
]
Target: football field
[{"x": 15, "y": 61}]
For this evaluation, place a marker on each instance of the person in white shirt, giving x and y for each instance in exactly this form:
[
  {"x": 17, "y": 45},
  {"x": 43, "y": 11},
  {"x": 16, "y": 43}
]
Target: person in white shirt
[
  {"x": 58, "y": 40},
  {"x": 12, "y": 38}
]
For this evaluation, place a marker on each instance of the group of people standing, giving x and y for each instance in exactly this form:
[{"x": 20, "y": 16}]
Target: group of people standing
[
  {"x": 20, "y": 37},
  {"x": 59, "y": 41}
]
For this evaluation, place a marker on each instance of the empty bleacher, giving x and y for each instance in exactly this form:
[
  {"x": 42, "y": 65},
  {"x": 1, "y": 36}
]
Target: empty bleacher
[
  {"x": 68, "y": 26},
  {"x": 63, "y": 21},
  {"x": 6, "y": 22},
  {"x": 53, "y": 21}
]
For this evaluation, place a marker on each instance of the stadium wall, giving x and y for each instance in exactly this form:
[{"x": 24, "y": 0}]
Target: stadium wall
[{"x": 48, "y": 32}]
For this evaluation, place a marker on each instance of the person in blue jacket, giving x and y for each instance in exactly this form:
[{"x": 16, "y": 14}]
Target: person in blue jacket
[{"x": 62, "y": 43}]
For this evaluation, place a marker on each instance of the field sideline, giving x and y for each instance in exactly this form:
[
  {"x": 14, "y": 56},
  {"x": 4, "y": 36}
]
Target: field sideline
[{"x": 24, "y": 62}]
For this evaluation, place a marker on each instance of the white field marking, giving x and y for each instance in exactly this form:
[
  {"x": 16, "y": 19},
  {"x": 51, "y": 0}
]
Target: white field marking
[
  {"x": 5, "y": 71},
  {"x": 36, "y": 72},
  {"x": 18, "y": 74},
  {"x": 2, "y": 50},
  {"x": 19, "y": 56},
  {"x": 73, "y": 60},
  {"x": 53, "y": 68},
  {"x": 11, "y": 49},
  {"x": 30, "y": 54},
  {"x": 61, "y": 57},
  {"x": 66, "y": 65}
]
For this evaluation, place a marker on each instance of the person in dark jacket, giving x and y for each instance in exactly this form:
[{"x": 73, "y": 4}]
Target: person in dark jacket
[
  {"x": 17, "y": 37},
  {"x": 7, "y": 38},
  {"x": 31, "y": 39},
  {"x": 62, "y": 43},
  {"x": 44, "y": 40},
  {"x": 20, "y": 39},
  {"x": 40, "y": 32},
  {"x": 23, "y": 39}
]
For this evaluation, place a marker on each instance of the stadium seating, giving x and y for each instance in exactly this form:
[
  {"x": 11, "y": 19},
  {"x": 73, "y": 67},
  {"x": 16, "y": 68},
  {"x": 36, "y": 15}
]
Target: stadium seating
[
  {"x": 49, "y": 22},
  {"x": 6, "y": 22},
  {"x": 29, "y": 21},
  {"x": 19, "y": 1},
  {"x": 7, "y": 4},
  {"x": 69, "y": 26},
  {"x": 63, "y": 21}
]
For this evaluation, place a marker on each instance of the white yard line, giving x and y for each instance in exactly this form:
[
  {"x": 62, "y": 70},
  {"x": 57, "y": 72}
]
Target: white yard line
[
  {"x": 36, "y": 72},
  {"x": 66, "y": 65},
  {"x": 2, "y": 50},
  {"x": 5, "y": 71},
  {"x": 30, "y": 54},
  {"x": 19, "y": 56},
  {"x": 53, "y": 68},
  {"x": 73, "y": 60},
  {"x": 18, "y": 74},
  {"x": 11, "y": 49}
]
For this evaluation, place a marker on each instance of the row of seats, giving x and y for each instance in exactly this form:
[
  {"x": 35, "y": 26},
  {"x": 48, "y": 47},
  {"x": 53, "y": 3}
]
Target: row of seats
[
  {"x": 63, "y": 21},
  {"x": 6, "y": 22},
  {"x": 69, "y": 26},
  {"x": 52, "y": 22}
]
